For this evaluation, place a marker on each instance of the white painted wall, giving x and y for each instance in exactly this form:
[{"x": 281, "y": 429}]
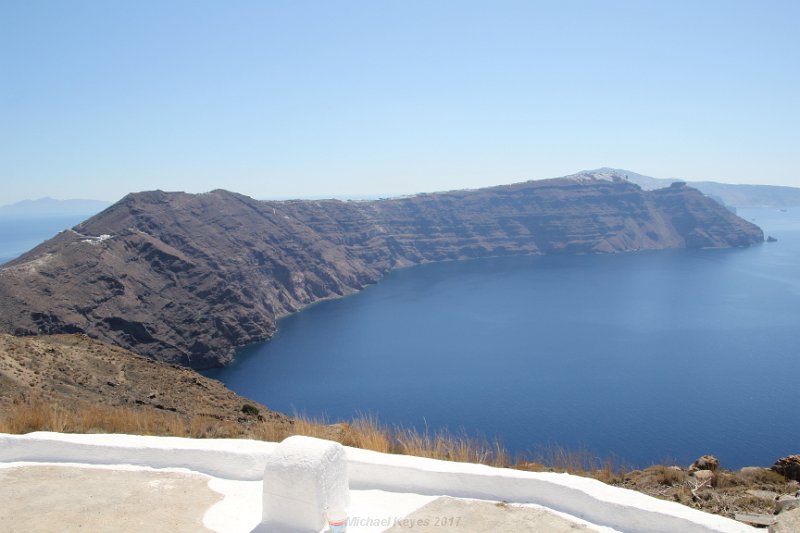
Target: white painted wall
[{"x": 244, "y": 460}]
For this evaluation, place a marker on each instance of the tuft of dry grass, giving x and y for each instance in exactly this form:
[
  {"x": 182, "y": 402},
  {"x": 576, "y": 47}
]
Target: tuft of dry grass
[
  {"x": 667, "y": 475},
  {"x": 449, "y": 446},
  {"x": 764, "y": 477},
  {"x": 34, "y": 416},
  {"x": 366, "y": 432},
  {"x": 39, "y": 415},
  {"x": 580, "y": 462}
]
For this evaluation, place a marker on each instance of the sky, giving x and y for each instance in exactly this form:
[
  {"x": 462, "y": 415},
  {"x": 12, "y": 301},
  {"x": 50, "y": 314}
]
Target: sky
[{"x": 294, "y": 98}]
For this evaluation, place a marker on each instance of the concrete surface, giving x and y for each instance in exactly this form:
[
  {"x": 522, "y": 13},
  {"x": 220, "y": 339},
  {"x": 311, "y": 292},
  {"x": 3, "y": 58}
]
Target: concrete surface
[
  {"x": 66, "y": 499},
  {"x": 787, "y": 522},
  {"x": 451, "y": 514}
]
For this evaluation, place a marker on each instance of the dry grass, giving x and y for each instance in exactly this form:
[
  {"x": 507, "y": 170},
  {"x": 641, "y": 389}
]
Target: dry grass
[
  {"x": 725, "y": 493},
  {"x": 667, "y": 476},
  {"x": 580, "y": 462},
  {"x": 365, "y": 431},
  {"x": 37, "y": 415},
  {"x": 450, "y": 447}
]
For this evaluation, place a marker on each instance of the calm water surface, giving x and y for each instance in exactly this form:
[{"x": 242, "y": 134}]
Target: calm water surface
[
  {"x": 20, "y": 234},
  {"x": 647, "y": 357}
]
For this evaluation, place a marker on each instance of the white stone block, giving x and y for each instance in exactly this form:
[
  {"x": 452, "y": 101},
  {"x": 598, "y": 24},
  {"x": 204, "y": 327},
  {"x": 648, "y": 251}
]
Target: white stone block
[{"x": 303, "y": 478}]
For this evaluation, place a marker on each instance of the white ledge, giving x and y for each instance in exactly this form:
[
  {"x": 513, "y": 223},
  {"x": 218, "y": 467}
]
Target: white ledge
[{"x": 239, "y": 459}]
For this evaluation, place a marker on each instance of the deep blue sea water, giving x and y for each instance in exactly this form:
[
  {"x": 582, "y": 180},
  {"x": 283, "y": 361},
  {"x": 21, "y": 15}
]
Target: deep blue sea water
[{"x": 647, "y": 357}]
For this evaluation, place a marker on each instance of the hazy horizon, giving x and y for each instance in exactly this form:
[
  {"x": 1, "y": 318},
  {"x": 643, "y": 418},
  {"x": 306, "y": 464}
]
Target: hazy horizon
[
  {"x": 309, "y": 196},
  {"x": 355, "y": 98},
  {"x": 354, "y": 197}
]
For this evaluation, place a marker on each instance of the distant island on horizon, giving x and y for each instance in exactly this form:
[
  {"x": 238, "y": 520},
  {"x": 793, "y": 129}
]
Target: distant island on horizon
[
  {"x": 730, "y": 194},
  {"x": 50, "y": 207}
]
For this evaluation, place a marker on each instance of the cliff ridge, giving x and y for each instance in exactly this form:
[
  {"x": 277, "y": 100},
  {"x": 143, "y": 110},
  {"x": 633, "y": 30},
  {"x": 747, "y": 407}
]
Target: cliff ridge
[{"x": 187, "y": 278}]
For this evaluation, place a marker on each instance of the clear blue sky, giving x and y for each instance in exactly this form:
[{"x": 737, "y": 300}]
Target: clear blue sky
[{"x": 299, "y": 98}]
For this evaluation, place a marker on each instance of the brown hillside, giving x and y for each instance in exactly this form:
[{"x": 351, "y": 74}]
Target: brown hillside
[{"x": 64, "y": 371}]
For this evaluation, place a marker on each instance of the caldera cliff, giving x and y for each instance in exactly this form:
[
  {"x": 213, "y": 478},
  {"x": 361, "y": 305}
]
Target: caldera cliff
[{"x": 187, "y": 278}]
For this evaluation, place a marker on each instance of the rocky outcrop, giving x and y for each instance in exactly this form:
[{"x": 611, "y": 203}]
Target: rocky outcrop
[
  {"x": 788, "y": 466},
  {"x": 706, "y": 462},
  {"x": 188, "y": 278},
  {"x": 787, "y": 502}
]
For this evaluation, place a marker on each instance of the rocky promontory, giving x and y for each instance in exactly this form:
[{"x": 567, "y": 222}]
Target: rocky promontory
[{"x": 188, "y": 278}]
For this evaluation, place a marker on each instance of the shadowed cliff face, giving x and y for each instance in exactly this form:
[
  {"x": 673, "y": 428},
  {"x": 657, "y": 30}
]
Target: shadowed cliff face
[{"x": 188, "y": 278}]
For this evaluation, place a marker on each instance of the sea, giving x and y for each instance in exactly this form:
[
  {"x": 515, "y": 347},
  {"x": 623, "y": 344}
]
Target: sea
[
  {"x": 639, "y": 358},
  {"x": 643, "y": 358},
  {"x": 18, "y": 234}
]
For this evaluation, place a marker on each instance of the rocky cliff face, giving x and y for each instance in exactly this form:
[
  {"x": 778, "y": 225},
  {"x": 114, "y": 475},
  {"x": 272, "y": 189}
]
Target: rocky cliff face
[{"x": 188, "y": 278}]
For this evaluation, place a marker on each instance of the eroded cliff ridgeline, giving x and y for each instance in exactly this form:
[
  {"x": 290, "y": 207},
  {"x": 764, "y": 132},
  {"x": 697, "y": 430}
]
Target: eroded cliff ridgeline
[{"x": 187, "y": 278}]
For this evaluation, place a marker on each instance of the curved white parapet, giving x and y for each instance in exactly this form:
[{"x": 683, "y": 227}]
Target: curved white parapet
[
  {"x": 588, "y": 499},
  {"x": 238, "y": 459}
]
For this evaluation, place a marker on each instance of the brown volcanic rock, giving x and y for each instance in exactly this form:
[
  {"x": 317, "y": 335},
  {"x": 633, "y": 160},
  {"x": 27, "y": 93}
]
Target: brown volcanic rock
[
  {"x": 706, "y": 462},
  {"x": 71, "y": 370},
  {"x": 188, "y": 278},
  {"x": 788, "y": 466}
]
